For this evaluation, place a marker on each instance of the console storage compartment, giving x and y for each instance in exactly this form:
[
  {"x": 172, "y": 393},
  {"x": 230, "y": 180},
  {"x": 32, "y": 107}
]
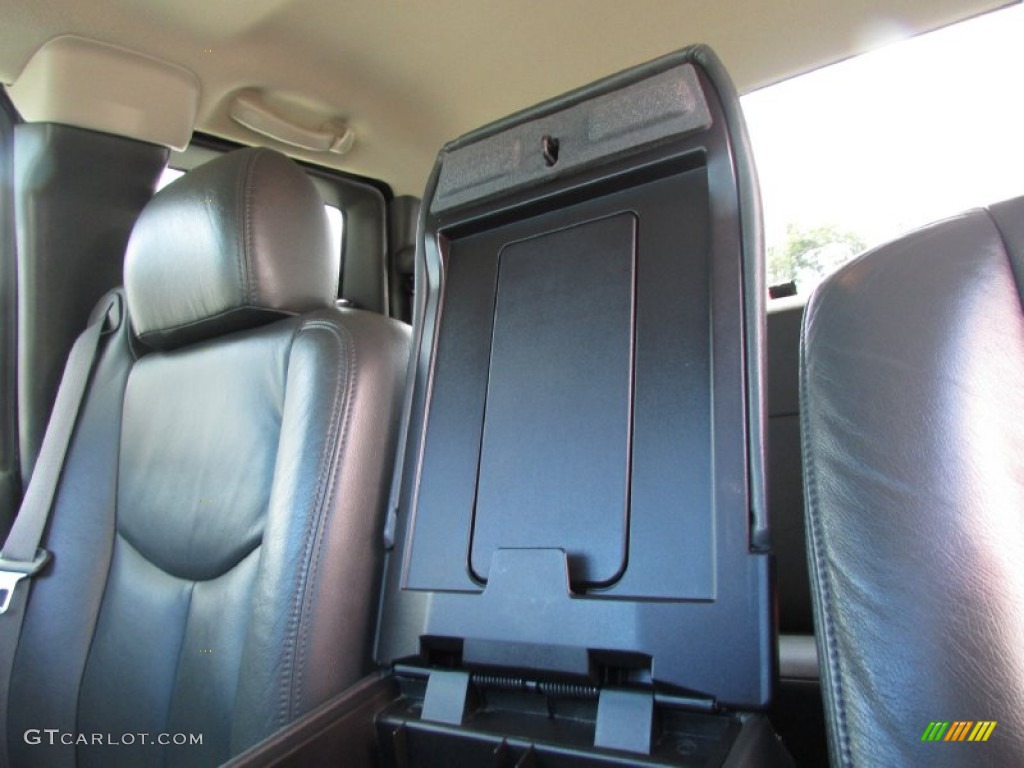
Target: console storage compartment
[{"x": 578, "y": 571}]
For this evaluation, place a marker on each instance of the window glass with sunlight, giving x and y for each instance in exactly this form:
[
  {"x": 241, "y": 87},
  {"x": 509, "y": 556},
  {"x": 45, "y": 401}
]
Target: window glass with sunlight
[{"x": 856, "y": 153}]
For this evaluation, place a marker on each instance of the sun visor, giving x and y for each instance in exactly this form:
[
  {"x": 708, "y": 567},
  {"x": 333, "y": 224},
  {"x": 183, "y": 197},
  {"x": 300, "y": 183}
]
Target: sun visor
[{"x": 76, "y": 81}]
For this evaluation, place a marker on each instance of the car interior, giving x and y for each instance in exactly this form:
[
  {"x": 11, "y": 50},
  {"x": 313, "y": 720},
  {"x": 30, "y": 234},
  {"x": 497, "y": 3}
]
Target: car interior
[{"x": 481, "y": 384}]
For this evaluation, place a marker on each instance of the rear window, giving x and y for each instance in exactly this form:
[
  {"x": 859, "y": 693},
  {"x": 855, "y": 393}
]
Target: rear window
[{"x": 854, "y": 154}]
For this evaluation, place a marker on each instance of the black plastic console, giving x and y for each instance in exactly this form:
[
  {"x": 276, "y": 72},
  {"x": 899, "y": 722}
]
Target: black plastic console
[
  {"x": 578, "y": 570},
  {"x": 581, "y": 480}
]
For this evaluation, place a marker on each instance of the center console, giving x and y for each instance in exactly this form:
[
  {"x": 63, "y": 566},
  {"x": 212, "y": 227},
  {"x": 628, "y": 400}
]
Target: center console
[{"x": 578, "y": 567}]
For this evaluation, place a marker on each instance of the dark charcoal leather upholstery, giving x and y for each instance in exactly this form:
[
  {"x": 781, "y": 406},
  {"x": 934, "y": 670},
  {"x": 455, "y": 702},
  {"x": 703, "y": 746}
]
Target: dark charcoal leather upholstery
[
  {"x": 785, "y": 485},
  {"x": 217, "y": 532},
  {"x": 913, "y": 439},
  {"x": 207, "y": 257},
  {"x": 796, "y": 711}
]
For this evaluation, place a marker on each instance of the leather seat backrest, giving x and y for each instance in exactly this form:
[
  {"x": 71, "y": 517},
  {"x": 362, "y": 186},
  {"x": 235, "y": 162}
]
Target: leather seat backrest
[
  {"x": 912, "y": 395},
  {"x": 785, "y": 487},
  {"x": 217, "y": 528}
]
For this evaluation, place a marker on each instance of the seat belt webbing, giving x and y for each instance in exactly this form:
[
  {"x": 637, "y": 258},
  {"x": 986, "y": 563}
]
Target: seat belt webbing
[{"x": 21, "y": 557}]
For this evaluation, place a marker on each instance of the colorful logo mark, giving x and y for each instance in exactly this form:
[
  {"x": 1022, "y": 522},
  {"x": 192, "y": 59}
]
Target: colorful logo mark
[{"x": 958, "y": 730}]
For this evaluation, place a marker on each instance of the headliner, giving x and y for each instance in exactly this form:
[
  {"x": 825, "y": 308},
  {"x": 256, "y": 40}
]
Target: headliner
[{"x": 410, "y": 75}]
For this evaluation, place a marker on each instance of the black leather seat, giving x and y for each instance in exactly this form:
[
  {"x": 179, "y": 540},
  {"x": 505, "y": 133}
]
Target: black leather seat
[
  {"x": 796, "y": 711},
  {"x": 913, "y": 439},
  {"x": 785, "y": 486},
  {"x": 217, "y": 530}
]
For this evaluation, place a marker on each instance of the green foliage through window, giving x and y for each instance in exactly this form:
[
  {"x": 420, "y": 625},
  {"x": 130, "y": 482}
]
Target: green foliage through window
[{"x": 808, "y": 254}]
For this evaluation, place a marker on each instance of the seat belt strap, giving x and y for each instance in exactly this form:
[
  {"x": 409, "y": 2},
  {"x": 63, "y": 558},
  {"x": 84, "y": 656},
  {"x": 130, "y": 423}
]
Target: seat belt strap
[{"x": 21, "y": 557}]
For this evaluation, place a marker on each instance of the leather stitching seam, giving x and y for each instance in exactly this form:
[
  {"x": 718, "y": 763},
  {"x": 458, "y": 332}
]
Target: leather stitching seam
[
  {"x": 244, "y": 261},
  {"x": 1008, "y": 250},
  {"x": 337, "y": 450},
  {"x": 824, "y": 589},
  {"x": 301, "y": 579}
]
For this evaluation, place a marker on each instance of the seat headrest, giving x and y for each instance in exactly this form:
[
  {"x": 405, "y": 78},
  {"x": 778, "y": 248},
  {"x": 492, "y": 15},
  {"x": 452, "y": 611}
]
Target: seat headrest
[{"x": 235, "y": 243}]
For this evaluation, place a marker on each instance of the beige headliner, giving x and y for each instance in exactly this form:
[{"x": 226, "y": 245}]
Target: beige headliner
[{"x": 410, "y": 74}]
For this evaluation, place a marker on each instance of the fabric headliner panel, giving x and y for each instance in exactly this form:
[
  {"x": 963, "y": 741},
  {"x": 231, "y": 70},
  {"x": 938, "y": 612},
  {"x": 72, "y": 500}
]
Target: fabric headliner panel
[{"x": 409, "y": 81}]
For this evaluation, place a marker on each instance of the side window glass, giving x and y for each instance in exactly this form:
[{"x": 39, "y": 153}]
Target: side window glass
[
  {"x": 857, "y": 153},
  {"x": 336, "y": 220}
]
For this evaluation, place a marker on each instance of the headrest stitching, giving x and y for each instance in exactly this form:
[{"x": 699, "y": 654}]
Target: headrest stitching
[
  {"x": 247, "y": 233},
  {"x": 225, "y": 208}
]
